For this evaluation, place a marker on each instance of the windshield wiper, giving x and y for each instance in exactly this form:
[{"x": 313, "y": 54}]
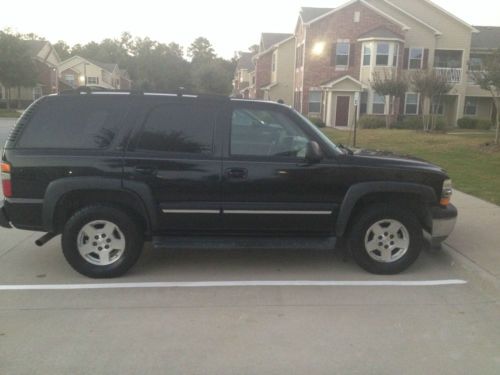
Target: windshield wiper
[{"x": 347, "y": 149}]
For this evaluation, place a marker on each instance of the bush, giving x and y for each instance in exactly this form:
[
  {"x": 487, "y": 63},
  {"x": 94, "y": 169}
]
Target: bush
[
  {"x": 484, "y": 124},
  {"x": 317, "y": 121},
  {"x": 409, "y": 122},
  {"x": 371, "y": 122},
  {"x": 467, "y": 123},
  {"x": 474, "y": 123},
  {"x": 441, "y": 124}
]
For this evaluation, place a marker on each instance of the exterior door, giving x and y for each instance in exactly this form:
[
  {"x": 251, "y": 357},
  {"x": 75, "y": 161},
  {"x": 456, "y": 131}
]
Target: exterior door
[
  {"x": 266, "y": 185},
  {"x": 342, "y": 111},
  {"x": 174, "y": 154}
]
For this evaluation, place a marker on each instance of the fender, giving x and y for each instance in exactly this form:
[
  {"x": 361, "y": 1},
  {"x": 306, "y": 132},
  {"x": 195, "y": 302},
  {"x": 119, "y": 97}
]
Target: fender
[
  {"x": 58, "y": 188},
  {"x": 357, "y": 191}
]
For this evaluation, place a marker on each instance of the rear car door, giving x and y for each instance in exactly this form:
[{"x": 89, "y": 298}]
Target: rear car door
[
  {"x": 267, "y": 185},
  {"x": 173, "y": 151}
]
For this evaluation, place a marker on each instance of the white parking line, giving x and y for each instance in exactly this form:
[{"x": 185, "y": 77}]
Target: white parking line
[{"x": 207, "y": 284}]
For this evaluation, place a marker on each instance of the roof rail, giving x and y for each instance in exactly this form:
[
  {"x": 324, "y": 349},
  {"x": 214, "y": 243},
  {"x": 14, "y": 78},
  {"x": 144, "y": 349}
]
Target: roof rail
[{"x": 181, "y": 92}]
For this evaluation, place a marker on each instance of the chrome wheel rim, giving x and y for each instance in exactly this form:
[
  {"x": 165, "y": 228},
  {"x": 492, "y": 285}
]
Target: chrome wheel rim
[
  {"x": 101, "y": 242},
  {"x": 387, "y": 241}
]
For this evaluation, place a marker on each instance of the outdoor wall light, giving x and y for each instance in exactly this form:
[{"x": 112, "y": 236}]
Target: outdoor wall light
[
  {"x": 82, "y": 79},
  {"x": 318, "y": 48}
]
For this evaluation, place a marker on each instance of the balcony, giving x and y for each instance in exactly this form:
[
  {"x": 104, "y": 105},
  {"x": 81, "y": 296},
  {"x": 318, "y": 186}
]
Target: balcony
[{"x": 452, "y": 75}]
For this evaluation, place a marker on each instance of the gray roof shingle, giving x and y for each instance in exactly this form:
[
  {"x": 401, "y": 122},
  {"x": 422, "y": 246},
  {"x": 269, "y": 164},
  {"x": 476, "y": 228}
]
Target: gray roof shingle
[
  {"x": 488, "y": 37},
  {"x": 308, "y": 13},
  {"x": 245, "y": 61},
  {"x": 270, "y": 39}
]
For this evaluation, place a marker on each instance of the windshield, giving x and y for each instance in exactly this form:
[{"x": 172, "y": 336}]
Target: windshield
[{"x": 322, "y": 135}]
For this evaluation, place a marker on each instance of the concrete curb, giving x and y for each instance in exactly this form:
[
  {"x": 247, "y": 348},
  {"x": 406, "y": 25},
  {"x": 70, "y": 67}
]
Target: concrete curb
[{"x": 472, "y": 267}]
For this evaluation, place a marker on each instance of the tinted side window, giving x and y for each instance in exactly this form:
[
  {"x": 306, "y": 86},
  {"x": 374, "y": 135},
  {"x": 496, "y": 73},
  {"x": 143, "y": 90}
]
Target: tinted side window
[
  {"x": 178, "y": 128},
  {"x": 81, "y": 122},
  {"x": 256, "y": 132}
]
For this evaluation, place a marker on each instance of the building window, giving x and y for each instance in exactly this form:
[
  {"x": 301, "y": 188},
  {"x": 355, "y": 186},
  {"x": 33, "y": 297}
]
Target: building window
[
  {"x": 297, "y": 100},
  {"x": 357, "y": 16},
  {"x": 378, "y": 106},
  {"x": 70, "y": 78},
  {"x": 37, "y": 92},
  {"x": 363, "y": 103},
  {"x": 382, "y": 54},
  {"x": 476, "y": 63},
  {"x": 92, "y": 80},
  {"x": 342, "y": 54},
  {"x": 416, "y": 57},
  {"x": 299, "y": 58},
  {"x": 411, "y": 103},
  {"x": 314, "y": 101},
  {"x": 437, "y": 105},
  {"x": 395, "y": 54},
  {"x": 367, "y": 54},
  {"x": 470, "y": 106}
]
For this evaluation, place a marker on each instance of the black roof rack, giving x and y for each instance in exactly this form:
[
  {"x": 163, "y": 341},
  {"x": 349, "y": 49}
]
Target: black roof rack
[{"x": 180, "y": 92}]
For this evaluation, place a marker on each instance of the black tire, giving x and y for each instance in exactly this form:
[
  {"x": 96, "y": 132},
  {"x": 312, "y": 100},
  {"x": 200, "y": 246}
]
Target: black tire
[
  {"x": 130, "y": 229},
  {"x": 370, "y": 216}
]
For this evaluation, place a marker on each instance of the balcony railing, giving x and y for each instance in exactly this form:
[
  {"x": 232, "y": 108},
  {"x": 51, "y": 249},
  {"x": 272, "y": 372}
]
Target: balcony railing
[{"x": 452, "y": 75}]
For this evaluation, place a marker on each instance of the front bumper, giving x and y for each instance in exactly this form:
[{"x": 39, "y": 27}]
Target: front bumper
[
  {"x": 443, "y": 222},
  {"x": 4, "y": 221}
]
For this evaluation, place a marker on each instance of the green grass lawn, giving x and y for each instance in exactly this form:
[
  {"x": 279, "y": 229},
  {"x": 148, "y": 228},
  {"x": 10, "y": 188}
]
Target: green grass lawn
[
  {"x": 11, "y": 113},
  {"x": 474, "y": 168}
]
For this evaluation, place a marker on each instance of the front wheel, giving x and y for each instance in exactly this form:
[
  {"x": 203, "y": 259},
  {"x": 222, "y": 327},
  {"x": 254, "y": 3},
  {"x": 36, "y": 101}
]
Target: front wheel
[
  {"x": 385, "y": 239},
  {"x": 101, "y": 241}
]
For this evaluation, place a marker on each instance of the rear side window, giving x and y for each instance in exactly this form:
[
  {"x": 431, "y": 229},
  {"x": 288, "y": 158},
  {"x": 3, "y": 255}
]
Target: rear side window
[
  {"x": 82, "y": 122},
  {"x": 186, "y": 128}
]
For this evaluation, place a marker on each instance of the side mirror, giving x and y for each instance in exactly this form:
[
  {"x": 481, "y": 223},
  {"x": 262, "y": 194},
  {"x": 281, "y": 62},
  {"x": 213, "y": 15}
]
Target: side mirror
[{"x": 313, "y": 152}]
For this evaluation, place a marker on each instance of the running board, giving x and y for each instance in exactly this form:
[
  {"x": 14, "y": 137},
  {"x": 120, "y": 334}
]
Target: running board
[{"x": 209, "y": 242}]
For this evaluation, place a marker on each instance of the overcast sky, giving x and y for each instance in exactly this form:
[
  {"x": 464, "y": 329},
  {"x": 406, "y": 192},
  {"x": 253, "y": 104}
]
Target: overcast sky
[{"x": 230, "y": 25}]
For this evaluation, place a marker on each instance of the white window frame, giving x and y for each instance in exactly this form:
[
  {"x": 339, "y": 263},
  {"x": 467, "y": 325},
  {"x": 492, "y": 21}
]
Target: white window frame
[
  {"x": 406, "y": 103},
  {"x": 389, "y": 62},
  {"x": 343, "y": 66},
  {"x": 93, "y": 83},
  {"x": 369, "y": 48},
  {"x": 439, "y": 113},
  {"x": 316, "y": 101},
  {"x": 421, "y": 59},
  {"x": 475, "y": 106},
  {"x": 375, "y": 95}
]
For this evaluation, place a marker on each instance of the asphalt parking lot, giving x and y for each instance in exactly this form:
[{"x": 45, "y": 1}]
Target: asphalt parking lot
[{"x": 237, "y": 328}]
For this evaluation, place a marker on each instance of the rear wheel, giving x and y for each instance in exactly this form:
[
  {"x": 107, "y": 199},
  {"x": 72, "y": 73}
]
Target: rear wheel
[
  {"x": 385, "y": 239},
  {"x": 101, "y": 241}
]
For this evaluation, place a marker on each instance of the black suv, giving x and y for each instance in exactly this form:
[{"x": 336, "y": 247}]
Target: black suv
[{"x": 110, "y": 170}]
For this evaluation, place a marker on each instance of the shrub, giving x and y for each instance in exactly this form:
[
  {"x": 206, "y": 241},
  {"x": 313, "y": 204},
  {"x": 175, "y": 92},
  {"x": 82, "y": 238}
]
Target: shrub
[
  {"x": 467, "y": 123},
  {"x": 484, "y": 124},
  {"x": 474, "y": 123},
  {"x": 317, "y": 121},
  {"x": 409, "y": 122},
  {"x": 371, "y": 122}
]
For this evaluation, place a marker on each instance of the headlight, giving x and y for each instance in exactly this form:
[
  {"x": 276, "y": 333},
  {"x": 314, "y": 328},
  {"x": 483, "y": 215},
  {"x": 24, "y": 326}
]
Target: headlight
[{"x": 446, "y": 193}]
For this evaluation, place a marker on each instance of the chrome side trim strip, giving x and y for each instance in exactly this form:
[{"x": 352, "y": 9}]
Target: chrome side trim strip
[
  {"x": 186, "y": 211},
  {"x": 277, "y": 212}
]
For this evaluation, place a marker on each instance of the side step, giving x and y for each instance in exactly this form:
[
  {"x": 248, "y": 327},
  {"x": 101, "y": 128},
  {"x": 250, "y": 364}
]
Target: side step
[{"x": 209, "y": 242}]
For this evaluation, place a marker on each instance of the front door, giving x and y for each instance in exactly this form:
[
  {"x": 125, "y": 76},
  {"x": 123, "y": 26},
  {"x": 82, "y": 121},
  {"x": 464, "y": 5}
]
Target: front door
[
  {"x": 267, "y": 186},
  {"x": 175, "y": 157},
  {"x": 342, "y": 111}
]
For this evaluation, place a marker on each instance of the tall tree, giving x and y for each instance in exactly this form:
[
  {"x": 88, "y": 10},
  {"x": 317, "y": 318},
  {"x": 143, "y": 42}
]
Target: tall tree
[
  {"x": 16, "y": 66},
  {"x": 432, "y": 86},
  {"x": 62, "y": 49},
  {"x": 201, "y": 50},
  {"x": 392, "y": 86},
  {"x": 489, "y": 79}
]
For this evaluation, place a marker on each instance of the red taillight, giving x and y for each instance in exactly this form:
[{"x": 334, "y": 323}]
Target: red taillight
[{"x": 6, "y": 183}]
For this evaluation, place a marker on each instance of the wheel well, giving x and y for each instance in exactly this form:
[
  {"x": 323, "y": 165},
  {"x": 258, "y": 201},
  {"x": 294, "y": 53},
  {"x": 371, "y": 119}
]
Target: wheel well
[
  {"x": 412, "y": 201},
  {"x": 73, "y": 201}
]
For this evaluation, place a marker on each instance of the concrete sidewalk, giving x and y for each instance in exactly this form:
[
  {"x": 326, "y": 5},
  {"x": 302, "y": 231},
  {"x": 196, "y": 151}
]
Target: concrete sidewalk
[{"x": 477, "y": 233}]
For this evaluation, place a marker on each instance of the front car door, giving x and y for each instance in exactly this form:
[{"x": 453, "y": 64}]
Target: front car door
[
  {"x": 267, "y": 186},
  {"x": 174, "y": 152}
]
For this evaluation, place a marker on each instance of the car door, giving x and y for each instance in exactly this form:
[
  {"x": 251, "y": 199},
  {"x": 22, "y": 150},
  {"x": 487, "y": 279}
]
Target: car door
[
  {"x": 267, "y": 185},
  {"x": 173, "y": 151}
]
